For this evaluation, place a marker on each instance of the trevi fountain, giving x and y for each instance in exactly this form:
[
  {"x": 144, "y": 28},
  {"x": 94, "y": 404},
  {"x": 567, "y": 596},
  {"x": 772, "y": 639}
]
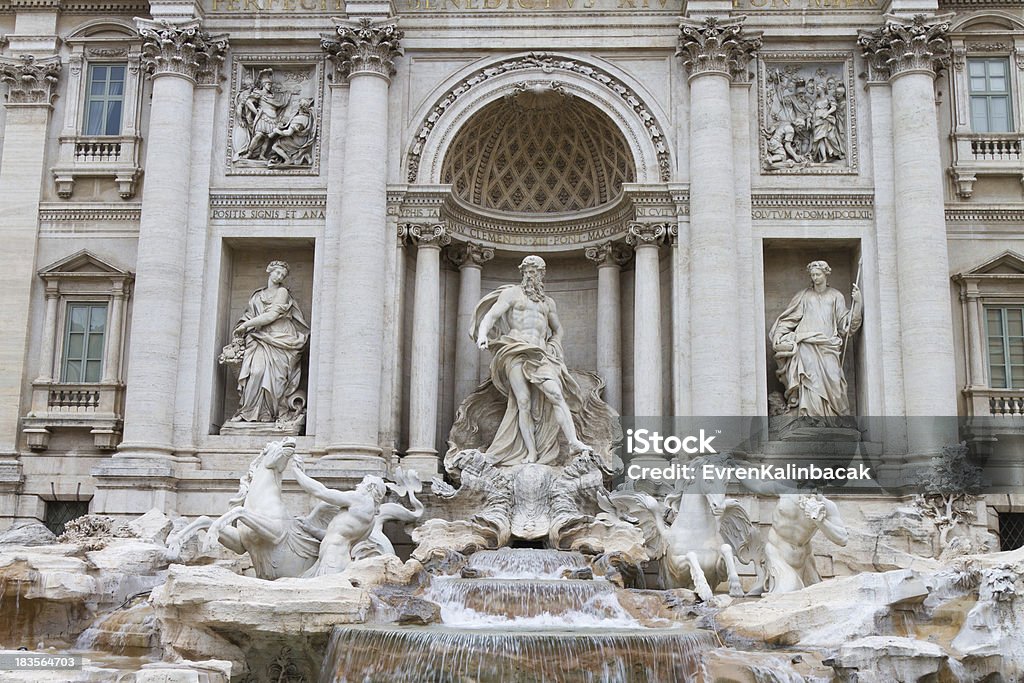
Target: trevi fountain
[{"x": 535, "y": 557}]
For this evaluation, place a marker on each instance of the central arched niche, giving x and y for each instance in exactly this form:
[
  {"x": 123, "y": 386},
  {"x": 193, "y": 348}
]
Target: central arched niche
[{"x": 541, "y": 151}]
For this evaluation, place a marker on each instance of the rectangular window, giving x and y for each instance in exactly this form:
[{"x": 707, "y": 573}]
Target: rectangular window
[
  {"x": 1006, "y": 347},
  {"x": 83, "y": 343},
  {"x": 60, "y": 512},
  {"x": 1011, "y": 530},
  {"x": 989, "y": 90},
  {"x": 104, "y": 99}
]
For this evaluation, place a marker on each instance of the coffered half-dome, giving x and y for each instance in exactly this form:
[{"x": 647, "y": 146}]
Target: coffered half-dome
[{"x": 538, "y": 151}]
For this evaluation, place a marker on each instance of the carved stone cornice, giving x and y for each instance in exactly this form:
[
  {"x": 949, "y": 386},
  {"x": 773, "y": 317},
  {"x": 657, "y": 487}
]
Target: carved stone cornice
[
  {"x": 469, "y": 254},
  {"x": 30, "y": 81},
  {"x": 427, "y": 235},
  {"x": 364, "y": 46},
  {"x": 608, "y": 254},
  {"x": 920, "y": 44},
  {"x": 715, "y": 46},
  {"x": 181, "y": 48},
  {"x": 646, "y": 234}
]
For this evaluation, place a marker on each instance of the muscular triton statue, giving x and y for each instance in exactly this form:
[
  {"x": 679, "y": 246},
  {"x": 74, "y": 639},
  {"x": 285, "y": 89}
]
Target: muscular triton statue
[{"x": 520, "y": 325}]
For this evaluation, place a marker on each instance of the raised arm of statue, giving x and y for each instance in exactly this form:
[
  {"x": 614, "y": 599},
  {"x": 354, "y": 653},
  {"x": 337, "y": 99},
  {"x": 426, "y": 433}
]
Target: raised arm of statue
[
  {"x": 832, "y": 524},
  {"x": 314, "y": 488}
]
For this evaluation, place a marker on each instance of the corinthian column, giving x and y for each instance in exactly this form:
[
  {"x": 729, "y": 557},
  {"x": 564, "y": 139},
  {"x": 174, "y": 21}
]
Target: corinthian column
[
  {"x": 363, "y": 52},
  {"x": 469, "y": 258},
  {"x": 909, "y": 52},
  {"x": 426, "y": 339},
  {"x": 609, "y": 258},
  {"x": 177, "y": 55},
  {"x": 711, "y": 51},
  {"x": 646, "y": 239},
  {"x": 31, "y": 86}
]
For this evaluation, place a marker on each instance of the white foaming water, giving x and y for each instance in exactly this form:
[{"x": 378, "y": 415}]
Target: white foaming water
[
  {"x": 601, "y": 611},
  {"x": 525, "y": 563}
]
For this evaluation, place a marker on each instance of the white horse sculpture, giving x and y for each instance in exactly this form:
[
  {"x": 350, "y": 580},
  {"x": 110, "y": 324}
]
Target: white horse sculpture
[
  {"x": 697, "y": 534},
  {"x": 279, "y": 543}
]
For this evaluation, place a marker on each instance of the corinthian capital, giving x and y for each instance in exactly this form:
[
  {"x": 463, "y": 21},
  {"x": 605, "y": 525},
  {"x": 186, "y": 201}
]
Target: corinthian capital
[
  {"x": 181, "y": 48},
  {"x": 430, "y": 235},
  {"x": 469, "y": 254},
  {"x": 714, "y": 46},
  {"x": 646, "y": 234},
  {"x": 364, "y": 46},
  {"x": 30, "y": 80},
  {"x": 904, "y": 45},
  {"x": 607, "y": 254}
]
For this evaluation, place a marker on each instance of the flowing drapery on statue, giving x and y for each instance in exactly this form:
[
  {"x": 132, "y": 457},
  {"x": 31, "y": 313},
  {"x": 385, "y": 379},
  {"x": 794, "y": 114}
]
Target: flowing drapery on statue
[
  {"x": 808, "y": 339},
  {"x": 267, "y": 347},
  {"x": 544, "y": 413}
]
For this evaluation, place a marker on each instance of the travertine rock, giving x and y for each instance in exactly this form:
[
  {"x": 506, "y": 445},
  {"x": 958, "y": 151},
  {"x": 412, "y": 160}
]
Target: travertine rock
[
  {"x": 152, "y": 526},
  {"x": 880, "y": 659},
  {"x": 27, "y": 533},
  {"x": 827, "y": 613}
]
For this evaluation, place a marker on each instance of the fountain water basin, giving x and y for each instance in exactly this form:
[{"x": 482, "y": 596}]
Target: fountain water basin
[{"x": 520, "y": 621}]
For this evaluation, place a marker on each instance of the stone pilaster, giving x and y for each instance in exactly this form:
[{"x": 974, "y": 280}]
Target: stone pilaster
[
  {"x": 470, "y": 259},
  {"x": 363, "y": 52},
  {"x": 31, "y": 86},
  {"x": 909, "y": 53},
  {"x": 609, "y": 258},
  {"x": 177, "y": 55},
  {"x": 646, "y": 240},
  {"x": 426, "y": 340},
  {"x": 712, "y": 51}
]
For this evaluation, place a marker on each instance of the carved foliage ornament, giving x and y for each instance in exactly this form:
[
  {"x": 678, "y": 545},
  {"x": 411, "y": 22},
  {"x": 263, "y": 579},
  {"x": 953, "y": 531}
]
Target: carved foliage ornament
[
  {"x": 469, "y": 254},
  {"x": 608, "y": 254},
  {"x": 30, "y": 80},
  {"x": 364, "y": 46},
  {"x": 547, "y": 63},
  {"x": 181, "y": 48},
  {"x": 920, "y": 44},
  {"x": 715, "y": 46},
  {"x": 643, "y": 234}
]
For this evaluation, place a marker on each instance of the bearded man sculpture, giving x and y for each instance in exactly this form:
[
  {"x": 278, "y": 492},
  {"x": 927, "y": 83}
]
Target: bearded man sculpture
[{"x": 520, "y": 324}]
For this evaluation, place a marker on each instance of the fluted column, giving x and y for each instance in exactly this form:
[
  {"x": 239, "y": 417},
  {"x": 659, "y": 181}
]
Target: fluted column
[
  {"x": 425, "y": 363},
  {"x": 363, "y": 51},
  {"x": 112, "y": 354},
  {"x": 469, "y": 258},
  {"x": 711, "y": 51},
  {"x": 49, "y": 340},
  {"x": 646, "y": 240},
  {"x": 609, "y": 258},
  {"x": 177, "y": 55},
  {"x": 31, "y": 86},
  {"x": 909, "y": 52}
]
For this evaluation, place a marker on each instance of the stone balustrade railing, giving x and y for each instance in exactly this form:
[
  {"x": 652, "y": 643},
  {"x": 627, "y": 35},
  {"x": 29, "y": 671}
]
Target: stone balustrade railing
[
  {"x": 987, "y": 402},
  {"x": 97, "y": 151},
  {"x": 57, "y": 405}
]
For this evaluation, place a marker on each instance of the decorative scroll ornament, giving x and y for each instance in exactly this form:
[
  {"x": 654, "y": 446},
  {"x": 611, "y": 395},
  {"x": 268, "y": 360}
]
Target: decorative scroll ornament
[
  {"x": 918, "y": 44},
  {"x": 469, "y": 254},
  {"x": 714, "y": 46},
  {"x": 433, "y": 235},
  {"x": 181, "y": 48},
  {"x": 644, "y": 234},
  {"x": 30, "y": 80},
  {"x": 608, "y": 253},
  {"x": 548, "y": 63},
  {"x": 364, "y": 46}
]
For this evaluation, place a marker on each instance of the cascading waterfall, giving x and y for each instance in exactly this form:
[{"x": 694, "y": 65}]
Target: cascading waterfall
[{"x": 520, "y": 622}]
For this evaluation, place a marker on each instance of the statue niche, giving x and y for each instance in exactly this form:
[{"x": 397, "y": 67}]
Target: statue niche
[
  {"x": 532, "y": 447},
  {"x": 266, "y": 348}
]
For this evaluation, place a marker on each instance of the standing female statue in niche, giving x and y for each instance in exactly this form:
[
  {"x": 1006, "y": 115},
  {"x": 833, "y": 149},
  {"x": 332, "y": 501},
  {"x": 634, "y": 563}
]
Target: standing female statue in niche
[
  {"x": 267, "y": 346},
  {"x": 808, "y": 339}
]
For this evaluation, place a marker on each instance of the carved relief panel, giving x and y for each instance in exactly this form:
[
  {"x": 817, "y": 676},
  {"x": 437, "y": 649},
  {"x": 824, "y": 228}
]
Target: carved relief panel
[
  {"x": 807, "y": 113},
  {"x": 275, "y": 119}
]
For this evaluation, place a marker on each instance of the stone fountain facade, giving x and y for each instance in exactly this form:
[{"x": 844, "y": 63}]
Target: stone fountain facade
[{"x": 284, "y": 248}]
